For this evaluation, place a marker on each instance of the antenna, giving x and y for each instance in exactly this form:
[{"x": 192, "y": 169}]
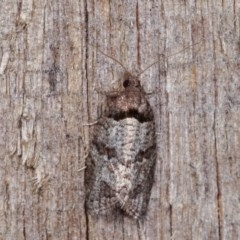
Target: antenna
[
  {"x": 167, "y": 57},
  {"x": 114, "y": 59}
]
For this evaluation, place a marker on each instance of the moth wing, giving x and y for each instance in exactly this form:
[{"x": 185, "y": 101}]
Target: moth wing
[
  {"x": 101, "y": 198},
  {"x": 136, "y": 205}
]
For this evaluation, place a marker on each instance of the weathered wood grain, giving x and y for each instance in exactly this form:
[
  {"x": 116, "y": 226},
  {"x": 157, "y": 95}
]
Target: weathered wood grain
[{"x": 51, "y": 77}]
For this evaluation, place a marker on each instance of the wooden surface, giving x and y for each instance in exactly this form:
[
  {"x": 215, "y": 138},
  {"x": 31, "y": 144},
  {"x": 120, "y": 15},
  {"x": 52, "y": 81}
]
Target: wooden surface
[{"x": 51, "y": 77}]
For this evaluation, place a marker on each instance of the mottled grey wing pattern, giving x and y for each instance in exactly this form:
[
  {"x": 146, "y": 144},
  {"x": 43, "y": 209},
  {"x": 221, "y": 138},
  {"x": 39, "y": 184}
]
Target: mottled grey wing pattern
[{"x": 121, "y": 166}]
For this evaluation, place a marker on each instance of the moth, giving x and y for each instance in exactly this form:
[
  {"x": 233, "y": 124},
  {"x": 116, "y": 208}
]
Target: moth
[{"x": 120, "y": 166}]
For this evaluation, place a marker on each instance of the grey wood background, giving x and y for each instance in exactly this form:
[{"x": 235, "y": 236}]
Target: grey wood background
[{"x": 51, "y": 75}]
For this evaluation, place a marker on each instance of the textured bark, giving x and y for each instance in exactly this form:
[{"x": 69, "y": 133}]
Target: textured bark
[{"x": 52, "y": 77}]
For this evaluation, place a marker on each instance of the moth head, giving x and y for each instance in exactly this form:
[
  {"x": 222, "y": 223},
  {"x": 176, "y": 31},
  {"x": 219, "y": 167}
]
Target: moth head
[{"x": 130, "y": 81}]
